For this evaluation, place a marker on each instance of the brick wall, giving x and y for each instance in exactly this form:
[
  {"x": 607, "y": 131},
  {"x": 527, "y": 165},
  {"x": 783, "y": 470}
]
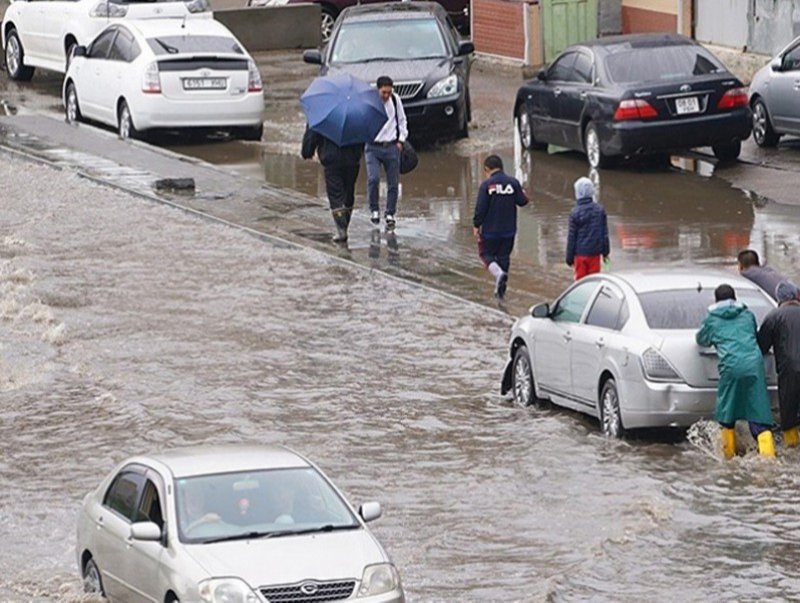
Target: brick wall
[{"x": 498, "y": 27}]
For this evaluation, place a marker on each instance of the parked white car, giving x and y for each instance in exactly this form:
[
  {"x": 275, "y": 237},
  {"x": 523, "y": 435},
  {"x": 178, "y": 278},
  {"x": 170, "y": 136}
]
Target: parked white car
[
  {"x": 165, "y": 73},
  {"x": 245, "y": 524},
  {"x": 44, "y": 33}
]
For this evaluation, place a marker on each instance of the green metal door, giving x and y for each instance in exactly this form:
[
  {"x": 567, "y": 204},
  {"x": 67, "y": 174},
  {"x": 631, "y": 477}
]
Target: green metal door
[{"x": 567, "y": 22}]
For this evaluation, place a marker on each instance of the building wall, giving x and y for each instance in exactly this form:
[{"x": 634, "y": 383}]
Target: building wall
[
  {"x": 498, "y": 28},
  {"x": 639, "y": 16}
]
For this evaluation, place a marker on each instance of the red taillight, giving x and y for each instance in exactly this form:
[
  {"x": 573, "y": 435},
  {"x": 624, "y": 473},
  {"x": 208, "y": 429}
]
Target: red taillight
[
  {"x": 634, "y": 109},
  {"x": 254, "y": 83},
  {"x": 733, "y": 98},
  {"x": 151, "y": 80}
]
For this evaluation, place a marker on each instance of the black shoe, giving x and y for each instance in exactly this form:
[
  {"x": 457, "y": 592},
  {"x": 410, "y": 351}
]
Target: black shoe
[{"x": 502, "y": 285}]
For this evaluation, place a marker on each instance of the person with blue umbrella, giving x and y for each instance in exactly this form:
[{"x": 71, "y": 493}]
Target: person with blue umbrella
[{"x": 343, "y": 113}]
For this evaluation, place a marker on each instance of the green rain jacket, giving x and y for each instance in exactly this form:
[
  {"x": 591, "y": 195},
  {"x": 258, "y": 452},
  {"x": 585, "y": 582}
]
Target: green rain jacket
[{"x": 742, "y": 392}]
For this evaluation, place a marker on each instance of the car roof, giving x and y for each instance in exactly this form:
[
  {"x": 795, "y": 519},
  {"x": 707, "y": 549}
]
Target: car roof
[
  {"x": 646, "y": 281},
  {"x": 205, "y": 460},
  {"x": 613, "y": 44},
  {"x": 176, "y": 26},
  {"x": 392, "y": 10}
]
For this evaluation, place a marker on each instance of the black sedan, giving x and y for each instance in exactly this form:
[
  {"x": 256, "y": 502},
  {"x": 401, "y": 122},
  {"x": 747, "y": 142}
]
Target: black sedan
[
  {"x": 630, "y": 95},
  {"x": 415, "y": 44}
]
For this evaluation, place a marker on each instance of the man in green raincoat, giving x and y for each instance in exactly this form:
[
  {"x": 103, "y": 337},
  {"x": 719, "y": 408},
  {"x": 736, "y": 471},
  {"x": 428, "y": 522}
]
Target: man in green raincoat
[{"x": 742, "y": 392}]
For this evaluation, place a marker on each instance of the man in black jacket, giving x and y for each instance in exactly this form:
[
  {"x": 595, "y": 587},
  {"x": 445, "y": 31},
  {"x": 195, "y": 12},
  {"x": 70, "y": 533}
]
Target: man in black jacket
[
  {"x": 341, "y": 171},
  {"x": 781, "y": 331}
]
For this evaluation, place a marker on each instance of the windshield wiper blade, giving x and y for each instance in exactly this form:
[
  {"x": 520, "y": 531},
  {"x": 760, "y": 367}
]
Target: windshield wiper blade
[
  {"x": 245, "y": 536},
  {"x": 326, "y": 528}
]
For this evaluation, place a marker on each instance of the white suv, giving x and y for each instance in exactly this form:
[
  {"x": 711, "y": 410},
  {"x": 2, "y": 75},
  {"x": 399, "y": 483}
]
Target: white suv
[{"x": 43, "y": 33}]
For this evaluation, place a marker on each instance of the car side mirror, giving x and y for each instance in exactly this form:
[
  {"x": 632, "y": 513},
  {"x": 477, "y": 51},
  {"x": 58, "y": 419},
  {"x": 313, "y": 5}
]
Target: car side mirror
[
  {"x": 312, "y": 56},
  {"x": 145, "y": 530},
  {"x": 541, "y": 311},
  {"x": 370, "y": 511},
  {"x": 542, "y": 75},
  {"x": 776, "y": 64},
  {"x": 465, "y": 48},
  {"x": 79, "y": 51}
]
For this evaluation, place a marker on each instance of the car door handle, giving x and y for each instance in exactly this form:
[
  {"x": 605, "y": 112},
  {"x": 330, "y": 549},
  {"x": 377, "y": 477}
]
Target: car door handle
[
  {"x": 600, "y": 343},
  {"x": 557, "y": 92},
  {"x": 797, "y": 85},
  {"x": 583, "y": 94},
  {"x": 99, "y": 522},
  {"x": 567, "y": 337}
]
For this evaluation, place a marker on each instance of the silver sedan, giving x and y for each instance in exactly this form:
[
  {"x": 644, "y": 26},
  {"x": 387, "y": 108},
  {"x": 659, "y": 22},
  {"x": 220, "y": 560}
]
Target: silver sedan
[
  {"x": 774, "y": 96},
  {"x": 621, "y": 347},
  {"x": 233, "y": 524}
]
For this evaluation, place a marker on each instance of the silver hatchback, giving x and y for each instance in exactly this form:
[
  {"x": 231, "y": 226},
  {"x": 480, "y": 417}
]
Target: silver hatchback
[
  {"x": 233, "y": 524},
  {"x": 621, "y": 347}
]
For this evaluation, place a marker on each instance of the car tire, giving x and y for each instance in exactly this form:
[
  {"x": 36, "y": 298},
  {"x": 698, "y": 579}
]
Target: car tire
[
  {"x": 610, "y": 416},
  {"x": 15, "y": 58},
  {"x": 592, "y": 144},
  {"x": 525, "y": 129},
  {"x": 253, "y": 134},
  {"x": 327, "y": 19},
  {"x": 92, "y": 581},
  {"x": 727, "y": 152},
  {"x": 523, "y": 386},
  {"x": 763, "y": 132},
  {"x": 71, "y": 106},
  {"x": 125, "y": 127}
]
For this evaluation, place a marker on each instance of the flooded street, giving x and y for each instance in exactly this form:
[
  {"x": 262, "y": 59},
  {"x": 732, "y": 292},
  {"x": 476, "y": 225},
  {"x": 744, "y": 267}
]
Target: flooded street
[{"x": 127, "y": 327}]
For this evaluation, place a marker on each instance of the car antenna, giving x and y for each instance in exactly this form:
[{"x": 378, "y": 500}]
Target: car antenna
[
  {"x": 183, "y": 23},
  {"x": 699, "y": 286}
]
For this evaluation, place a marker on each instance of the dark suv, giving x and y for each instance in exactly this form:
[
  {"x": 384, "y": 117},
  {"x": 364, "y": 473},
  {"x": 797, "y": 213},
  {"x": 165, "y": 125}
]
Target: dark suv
[{"x": 418, "y": 46}]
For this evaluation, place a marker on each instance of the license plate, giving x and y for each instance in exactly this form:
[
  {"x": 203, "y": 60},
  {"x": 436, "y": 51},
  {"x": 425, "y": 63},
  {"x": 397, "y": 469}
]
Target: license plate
[
  {"x": 204, "y": 83},
  {"x": 687, "y": 105}
]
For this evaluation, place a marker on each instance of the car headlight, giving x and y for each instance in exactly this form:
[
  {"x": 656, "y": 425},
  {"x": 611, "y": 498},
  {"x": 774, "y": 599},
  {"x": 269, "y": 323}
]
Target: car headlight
[
  {"x": 226, "y": 590},
  {"x": 378, "y": 579},
  {"x": 657, "y": 368},
  {"x": 445, "y": 87},
  {"x": 109, "y": 9}
]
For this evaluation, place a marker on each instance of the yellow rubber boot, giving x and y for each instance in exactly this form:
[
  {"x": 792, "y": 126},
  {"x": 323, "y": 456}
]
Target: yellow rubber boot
[
  {"x": 791, "y": 437},
  {"x": 766, "y": 444},
  {"x": 728, "y": 442}
]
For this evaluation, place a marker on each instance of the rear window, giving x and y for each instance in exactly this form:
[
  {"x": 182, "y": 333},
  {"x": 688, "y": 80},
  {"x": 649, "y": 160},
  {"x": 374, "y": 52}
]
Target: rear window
[
  {"x": 686, "y": 308},
  {"x": 193, "y": 44},
  {"x": 661, "y": 63}
]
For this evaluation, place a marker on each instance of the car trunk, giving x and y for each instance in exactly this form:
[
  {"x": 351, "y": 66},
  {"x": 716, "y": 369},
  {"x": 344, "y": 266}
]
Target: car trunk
[
  {"x": 687, "y": 98},
  {"x": 203, "y": 77}
]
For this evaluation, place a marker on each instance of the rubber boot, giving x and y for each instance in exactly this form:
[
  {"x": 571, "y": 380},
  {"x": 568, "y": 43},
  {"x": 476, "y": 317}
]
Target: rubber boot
[
  {"x": 791, "y": 437},
  {"x": 728, "y": 442},
  {"x": 341, "y": 221},
  {"x": 766, "y": 444}
]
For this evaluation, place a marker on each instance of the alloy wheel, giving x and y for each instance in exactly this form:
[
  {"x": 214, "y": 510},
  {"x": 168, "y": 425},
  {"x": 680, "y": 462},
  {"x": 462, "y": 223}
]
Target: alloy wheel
[
  {"x": 72, "y": 105},
  {"x": 611, "y": 422},
  {"x": 759, "y": 123},
  {"x": 12, "y": 54},
  {"x": 525, "y": 129},
  {"x": 593, "y": 147},
  {"x": 125, "y": 123},
  {"x": 91, "y": 579},
  {"x": 326, "y": 25},
  {"x": 523, "y": 386}
]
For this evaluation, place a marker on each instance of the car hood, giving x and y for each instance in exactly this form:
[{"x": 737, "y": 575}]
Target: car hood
[
  {"x": 289, "y": 559},
  {"x": 428, "y": 70}
]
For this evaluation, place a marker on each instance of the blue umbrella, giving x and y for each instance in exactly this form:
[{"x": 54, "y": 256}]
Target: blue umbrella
[{"x": 344, "y": 109}]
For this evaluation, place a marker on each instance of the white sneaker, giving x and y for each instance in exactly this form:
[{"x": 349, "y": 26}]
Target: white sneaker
[
  {"x": 375, "y": 218},
  {"x": 389, "y": 221}
]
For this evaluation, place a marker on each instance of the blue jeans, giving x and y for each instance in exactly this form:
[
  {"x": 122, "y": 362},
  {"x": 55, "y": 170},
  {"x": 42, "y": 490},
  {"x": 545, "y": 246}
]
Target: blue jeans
[{"x": 389, "y": 157}]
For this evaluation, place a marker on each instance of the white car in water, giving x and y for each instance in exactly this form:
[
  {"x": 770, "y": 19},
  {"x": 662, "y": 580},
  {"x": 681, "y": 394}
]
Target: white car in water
[
  {"x": 148, "y": 74},
  {"x": 43, "y": 33},
  {"x": 621, "y": 347},
  {"x": 229, "y": 524}
]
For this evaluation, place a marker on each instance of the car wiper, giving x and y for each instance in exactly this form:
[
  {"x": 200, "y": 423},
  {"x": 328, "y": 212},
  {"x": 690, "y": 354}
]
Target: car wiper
[
  {"x": 167, "y": 47},
  {"x": 326, "y": 528},
  {"x": 244, "y": 536},
  {"x": 375, "y": 59}
]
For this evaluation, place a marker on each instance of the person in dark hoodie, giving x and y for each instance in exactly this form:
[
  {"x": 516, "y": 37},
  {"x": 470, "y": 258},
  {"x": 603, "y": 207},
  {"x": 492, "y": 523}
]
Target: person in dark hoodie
[
  {"x": 494, "y": 223},
  {"x": 781, "y": 331},
  {"x": 750, "y": 268},
  {"x": 588, "y": 231},
  {"x": 742, "y": 389},
  {"x": 341, "y": 171}
]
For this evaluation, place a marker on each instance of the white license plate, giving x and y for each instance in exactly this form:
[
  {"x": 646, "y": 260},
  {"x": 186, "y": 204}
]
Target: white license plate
[
  {"x": 687, "y": 105},
  {"x": 204, "y": 83}
]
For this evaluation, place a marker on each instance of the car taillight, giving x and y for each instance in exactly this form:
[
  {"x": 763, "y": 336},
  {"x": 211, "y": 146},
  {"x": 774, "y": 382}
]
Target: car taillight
[
  {"x": 733, "y": 98},
  {"x": 254, "y": 83},
  {"x": 151, "y": 82},
  {"x": 634, "y": 109},
  {"x": 198, "y": 6},
  {"x": 107, "y": 9},
  {"x": 657, "y": 368}
]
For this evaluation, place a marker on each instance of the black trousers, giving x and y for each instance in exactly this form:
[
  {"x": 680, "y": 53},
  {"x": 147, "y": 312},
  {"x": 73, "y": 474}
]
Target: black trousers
[
  {"x": 340, "y": 182},
  {"x": 496, "y": 250},
  {"x": 789, "y": 398}
]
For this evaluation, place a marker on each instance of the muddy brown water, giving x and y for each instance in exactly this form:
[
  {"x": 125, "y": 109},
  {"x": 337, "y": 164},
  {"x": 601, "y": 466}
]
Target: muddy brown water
[{"x": 126, "y": 327}]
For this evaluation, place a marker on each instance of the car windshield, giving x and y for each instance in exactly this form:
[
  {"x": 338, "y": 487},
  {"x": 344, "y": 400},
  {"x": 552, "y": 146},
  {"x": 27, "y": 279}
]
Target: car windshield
[
  {"x": 661, "y": 63},
  {"x": 193, "y": 44},
  {"x": 388, "y": 40},
  {"x": 686, "y": 308},
  {"x": 258, "y": 504}
]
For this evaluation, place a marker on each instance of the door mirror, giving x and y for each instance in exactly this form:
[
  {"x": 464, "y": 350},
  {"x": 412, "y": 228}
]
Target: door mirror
[
  {"x": 541, "y": 311},
  {"x": 312, "y": 56},
  {"x": 542, "y": 75},
  {"x": 465, "y": 48},
  {"x": 370, "y": 511},
  {"x": 79, "y": 51},
  {"x": 776, "y": 64},
  {"x": 145, "y": 530}
]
